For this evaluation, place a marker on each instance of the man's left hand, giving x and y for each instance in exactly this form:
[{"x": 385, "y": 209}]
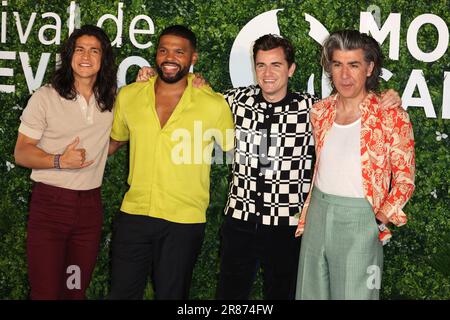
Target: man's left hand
[
  {"x": 382, "y": 218},
  {"x": 390, "y": 99},
  {"x": 145, "y": 73}
]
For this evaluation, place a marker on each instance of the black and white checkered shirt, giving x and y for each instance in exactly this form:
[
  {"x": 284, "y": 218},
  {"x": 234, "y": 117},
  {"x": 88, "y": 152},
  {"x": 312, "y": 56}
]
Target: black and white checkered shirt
[{"x": 273, "y": 157}]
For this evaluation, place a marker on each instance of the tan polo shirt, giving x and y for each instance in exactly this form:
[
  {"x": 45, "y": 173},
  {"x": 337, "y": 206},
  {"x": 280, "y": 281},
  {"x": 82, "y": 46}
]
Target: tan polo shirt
[{"x": 56, "y": 122}]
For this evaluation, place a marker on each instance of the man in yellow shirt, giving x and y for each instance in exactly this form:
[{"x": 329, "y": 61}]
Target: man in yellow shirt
[{"x": 171, "y": 128}]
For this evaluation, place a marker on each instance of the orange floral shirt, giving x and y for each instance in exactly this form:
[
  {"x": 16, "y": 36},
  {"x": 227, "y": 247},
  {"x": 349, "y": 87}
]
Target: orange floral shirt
[{"x": 387, "y": 156}]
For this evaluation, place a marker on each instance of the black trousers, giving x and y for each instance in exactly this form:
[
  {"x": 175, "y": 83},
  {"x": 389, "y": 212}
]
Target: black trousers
[
  {"x": 246, "y": 247},
  {"x": 144, "y": 246}
]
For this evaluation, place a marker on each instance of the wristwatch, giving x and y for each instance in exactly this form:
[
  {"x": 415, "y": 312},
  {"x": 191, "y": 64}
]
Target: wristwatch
[
  {"x": 384, "y": 235},
  {"x": 381, "y": 225}
]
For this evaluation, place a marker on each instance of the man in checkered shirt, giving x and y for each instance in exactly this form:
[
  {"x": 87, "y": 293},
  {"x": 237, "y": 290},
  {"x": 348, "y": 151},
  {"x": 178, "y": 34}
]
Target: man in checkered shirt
[{"x": 271, "y": 176}]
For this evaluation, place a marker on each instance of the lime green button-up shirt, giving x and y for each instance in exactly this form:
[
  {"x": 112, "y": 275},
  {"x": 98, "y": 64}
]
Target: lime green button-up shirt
[{"x": 169, "y": 172}]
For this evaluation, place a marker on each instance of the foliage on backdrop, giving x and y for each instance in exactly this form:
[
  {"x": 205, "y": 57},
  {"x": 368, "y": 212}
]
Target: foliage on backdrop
[{"x": 417, "y": 261}]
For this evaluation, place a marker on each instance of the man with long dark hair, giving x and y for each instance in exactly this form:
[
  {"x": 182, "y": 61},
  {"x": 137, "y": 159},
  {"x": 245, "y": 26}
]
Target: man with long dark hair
[{"x": 64, "y": 137}]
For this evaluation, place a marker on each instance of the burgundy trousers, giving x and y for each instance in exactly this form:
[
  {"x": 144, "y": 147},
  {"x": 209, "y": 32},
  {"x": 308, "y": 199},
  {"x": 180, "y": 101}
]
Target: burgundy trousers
[{"x": 64, "y": 229}]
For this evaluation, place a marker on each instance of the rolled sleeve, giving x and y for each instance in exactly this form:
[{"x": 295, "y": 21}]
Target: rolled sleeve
[
  {"x": 119, "y": 131},
  {"x": 33, "y": 119},
  {"x": 225, "y": 125}
]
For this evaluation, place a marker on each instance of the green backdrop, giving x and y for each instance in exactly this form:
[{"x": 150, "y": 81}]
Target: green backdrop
[{"x": 417, "y": 262}]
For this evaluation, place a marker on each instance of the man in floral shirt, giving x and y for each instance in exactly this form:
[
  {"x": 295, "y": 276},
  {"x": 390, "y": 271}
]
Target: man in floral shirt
[{"x": 364, "y": 175}]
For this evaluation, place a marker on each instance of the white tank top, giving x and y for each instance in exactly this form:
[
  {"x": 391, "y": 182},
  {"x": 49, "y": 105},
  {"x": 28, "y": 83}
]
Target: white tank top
[{"x": 339, "y": 171}]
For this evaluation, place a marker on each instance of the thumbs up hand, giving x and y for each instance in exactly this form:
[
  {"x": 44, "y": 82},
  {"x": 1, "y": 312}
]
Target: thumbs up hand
[{"x": 74, "y": 158}]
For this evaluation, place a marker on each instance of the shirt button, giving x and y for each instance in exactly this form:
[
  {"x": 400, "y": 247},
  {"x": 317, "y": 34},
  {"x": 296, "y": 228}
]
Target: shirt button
[
  {"x": 260, "y": 174},
  {"x": 265, "y": 135},
  {"x": 263, "y": 155},
  {"x": 267, "y": 116},
  {"x": 258, "y": 214},
  {"x": 259, "y": 194}
]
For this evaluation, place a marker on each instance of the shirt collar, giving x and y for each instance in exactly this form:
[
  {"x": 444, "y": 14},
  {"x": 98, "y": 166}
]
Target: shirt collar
[
  {"x": 183, "y": 104},
  {"x": 363, "y": 106},
  {"x": 285, "y": 101},
  {"x": 80, "y": 99},
  {"x": 187, "y": 94}
]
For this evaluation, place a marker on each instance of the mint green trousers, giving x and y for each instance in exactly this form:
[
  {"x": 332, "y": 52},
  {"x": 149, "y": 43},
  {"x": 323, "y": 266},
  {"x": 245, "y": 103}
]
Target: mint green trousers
[{"x": 341, "y": 257}]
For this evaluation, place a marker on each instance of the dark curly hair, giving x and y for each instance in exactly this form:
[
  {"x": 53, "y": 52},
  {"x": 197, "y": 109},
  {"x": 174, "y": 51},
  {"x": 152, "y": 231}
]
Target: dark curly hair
[
  {"x": 353, "y": 40},
  {"x": 272, "y": 41},
  {"x": 105, "y": 86}
]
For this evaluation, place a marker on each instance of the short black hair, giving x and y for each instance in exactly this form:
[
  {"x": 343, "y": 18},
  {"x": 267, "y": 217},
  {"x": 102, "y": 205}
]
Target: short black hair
[
  {"x": 271, "y": 41},
  {"x": 180, "y": 31}
]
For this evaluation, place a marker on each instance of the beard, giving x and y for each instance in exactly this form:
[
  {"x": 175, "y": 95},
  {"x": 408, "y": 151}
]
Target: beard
[{"x": 175, "y": 78}]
